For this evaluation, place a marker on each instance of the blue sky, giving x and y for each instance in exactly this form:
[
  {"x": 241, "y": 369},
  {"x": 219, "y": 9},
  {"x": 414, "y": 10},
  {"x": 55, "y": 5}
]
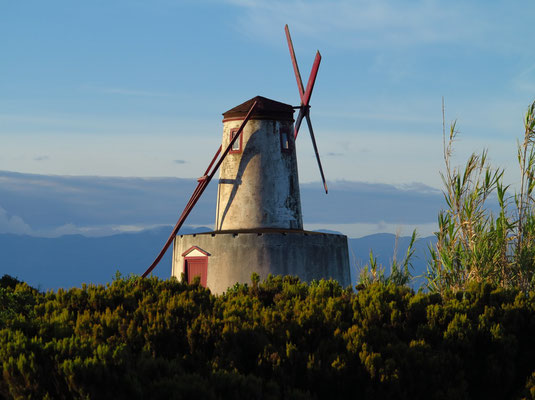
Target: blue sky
[{"x": 137, "y": 88}]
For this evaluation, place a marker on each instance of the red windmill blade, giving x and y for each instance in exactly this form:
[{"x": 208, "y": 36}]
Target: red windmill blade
[
  {"x": 203, "y": 182},
  {"x": 304, "y": 108}
]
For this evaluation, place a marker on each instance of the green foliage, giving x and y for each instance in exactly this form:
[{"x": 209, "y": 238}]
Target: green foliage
[
  {"x": 16, "y": 300},
  {"x": 280, "y": 338},
  {"x": 400, "y": 273},
  {"x": 8, "y": 281},
  {"x": 474, "y": 244}
]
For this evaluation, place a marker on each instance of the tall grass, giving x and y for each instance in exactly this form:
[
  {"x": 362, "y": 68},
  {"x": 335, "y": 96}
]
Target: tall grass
[
  {"x": 400, "y": 271},
  {"x": 475, "y": 244}
]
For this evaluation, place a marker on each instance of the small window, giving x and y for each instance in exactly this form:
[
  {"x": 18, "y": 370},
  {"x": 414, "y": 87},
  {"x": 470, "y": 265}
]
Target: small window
[
  {"x": 285, "y": 140},
  {"x": 236, "y": 147}
]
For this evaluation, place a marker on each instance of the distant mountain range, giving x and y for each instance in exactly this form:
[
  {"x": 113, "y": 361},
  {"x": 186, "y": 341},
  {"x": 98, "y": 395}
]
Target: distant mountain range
[{"x": 67, "y": 261}]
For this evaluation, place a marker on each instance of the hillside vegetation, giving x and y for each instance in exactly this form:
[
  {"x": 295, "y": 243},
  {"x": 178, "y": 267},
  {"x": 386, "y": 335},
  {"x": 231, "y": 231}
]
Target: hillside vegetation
[{"x": 277, "y": 339}]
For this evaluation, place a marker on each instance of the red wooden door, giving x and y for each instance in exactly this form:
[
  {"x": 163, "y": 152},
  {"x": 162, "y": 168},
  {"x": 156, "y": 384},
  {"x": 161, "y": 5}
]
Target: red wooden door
[{"x": 197, "y": 266}]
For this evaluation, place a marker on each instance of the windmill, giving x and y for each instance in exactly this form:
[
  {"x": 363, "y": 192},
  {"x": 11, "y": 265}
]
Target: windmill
[{"x": 258, "y": 214}]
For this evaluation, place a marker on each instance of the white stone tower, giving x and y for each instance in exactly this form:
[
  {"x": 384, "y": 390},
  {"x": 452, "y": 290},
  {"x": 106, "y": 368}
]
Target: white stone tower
[
  {"x": 259, "y": 184},
  {"x": 259, "y": 223}
]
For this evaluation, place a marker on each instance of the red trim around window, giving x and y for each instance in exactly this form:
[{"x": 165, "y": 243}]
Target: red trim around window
[{"x": 239, "y": 141}]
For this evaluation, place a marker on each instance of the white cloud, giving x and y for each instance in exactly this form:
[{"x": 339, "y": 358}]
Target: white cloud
[
  {"x": 13, "y": 223},
  {"x": 91, "y": 231},
  {"x": 21, "y": 183},
  {"x": 366, "y": 23},
  {"x": 358, "y": 230},
  {"x": 96, "y": 206}
]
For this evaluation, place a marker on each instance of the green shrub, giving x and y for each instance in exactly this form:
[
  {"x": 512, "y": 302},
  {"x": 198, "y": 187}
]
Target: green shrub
[{"x": 280, "y": 338}]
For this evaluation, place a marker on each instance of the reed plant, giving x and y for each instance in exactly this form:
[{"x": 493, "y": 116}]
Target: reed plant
[
  {"x": 400, "y": 271},
  {"x": 475, "y": 244}
]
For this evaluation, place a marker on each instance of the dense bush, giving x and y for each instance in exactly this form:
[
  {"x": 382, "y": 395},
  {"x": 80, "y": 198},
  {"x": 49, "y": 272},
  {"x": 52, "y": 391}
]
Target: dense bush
[{"x": 278, "y": 339}]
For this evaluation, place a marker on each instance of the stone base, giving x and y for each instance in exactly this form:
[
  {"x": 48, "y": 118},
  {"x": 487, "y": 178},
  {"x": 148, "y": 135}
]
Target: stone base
[{"x": 234, "y": 255}]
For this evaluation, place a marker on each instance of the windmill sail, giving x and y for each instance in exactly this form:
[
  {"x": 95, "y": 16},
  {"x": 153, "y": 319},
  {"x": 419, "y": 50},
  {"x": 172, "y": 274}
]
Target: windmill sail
[{"x": 304, "y": 109}]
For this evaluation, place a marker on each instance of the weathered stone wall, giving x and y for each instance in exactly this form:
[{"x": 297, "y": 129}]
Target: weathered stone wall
[
  {"x": 259, "y": 187},
  {"x": 234, "y": 256}
]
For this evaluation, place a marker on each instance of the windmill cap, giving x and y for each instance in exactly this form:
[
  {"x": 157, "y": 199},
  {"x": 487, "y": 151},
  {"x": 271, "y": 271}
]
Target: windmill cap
[{"x": 265, "y": 109}]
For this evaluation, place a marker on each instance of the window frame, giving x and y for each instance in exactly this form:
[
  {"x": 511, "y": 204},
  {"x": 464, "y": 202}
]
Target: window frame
[
  {"x": 285, "y": 130},
  {"x": 233, "y": 132}
]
